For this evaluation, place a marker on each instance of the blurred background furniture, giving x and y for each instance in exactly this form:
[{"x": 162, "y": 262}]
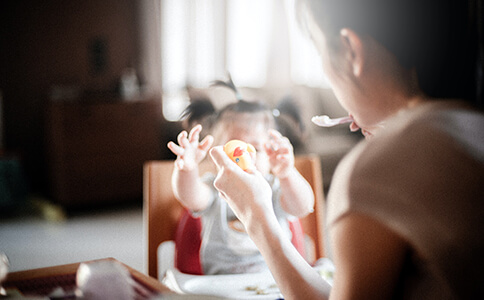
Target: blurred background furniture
[
  {"x": 96, "y": 150},
  {"x": 13, "y": 185}
]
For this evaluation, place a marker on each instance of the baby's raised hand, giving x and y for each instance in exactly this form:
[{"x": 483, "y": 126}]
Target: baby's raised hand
[
  {"x": 281, "y": 154},
  {"x": 190, "y": 151}
]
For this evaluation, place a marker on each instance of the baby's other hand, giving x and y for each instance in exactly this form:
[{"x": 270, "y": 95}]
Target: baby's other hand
[
  {"x": 190, "y": 151},
  {"x": 281, "y": 154}
]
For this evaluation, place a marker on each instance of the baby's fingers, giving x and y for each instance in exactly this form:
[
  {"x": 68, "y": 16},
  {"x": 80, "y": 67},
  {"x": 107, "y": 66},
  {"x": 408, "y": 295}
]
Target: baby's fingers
[
  {"x": 177, "y": 150},
  {"x": 275, "y": 134},
  {"x": 278, "y": 141},
  {"x": 195, "y": 133},
  {"x": 206, "y": 143},
  {"x": 182, "y": 139}
]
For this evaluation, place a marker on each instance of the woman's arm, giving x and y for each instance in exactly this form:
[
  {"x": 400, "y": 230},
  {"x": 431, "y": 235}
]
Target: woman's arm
[
  {"x": 249, "y": 195},
  {"x": 367, "y": 255},
  {"x": 294, "y": 276},
  {"x": 368, "y": 258}
]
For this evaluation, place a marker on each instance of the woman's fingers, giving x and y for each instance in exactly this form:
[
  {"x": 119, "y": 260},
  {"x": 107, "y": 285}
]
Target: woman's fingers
[{"x": 219, "y": 157}]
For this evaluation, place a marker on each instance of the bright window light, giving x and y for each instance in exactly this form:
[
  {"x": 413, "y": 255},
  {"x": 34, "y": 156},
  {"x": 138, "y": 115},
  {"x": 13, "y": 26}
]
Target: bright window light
[
  {"x": 204, "y": 39},
  {"x": 174, "y": 103},
  {"x": 174, "y": 44},
  {"x": 305, "y": 62},
  {"x": 249, "y": 23},
  {"x": 202, "y": 32}
]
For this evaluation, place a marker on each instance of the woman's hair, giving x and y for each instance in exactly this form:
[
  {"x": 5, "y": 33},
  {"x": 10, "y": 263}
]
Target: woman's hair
[{"x": 441, "y": 39}]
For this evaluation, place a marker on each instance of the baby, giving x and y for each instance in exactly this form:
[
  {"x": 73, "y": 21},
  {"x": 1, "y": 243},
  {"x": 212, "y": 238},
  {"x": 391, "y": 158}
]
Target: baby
[{"x": 226, "y": 248}]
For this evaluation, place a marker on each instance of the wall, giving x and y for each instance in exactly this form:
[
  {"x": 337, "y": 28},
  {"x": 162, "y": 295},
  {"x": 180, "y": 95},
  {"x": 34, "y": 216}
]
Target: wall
[
  {"x": 54, "y": 43},
  {"x": 82, "y": 44}
]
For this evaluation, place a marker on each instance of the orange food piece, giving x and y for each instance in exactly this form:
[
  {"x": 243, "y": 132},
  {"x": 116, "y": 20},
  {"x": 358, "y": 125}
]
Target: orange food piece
[{"x": 242, "y": 153}]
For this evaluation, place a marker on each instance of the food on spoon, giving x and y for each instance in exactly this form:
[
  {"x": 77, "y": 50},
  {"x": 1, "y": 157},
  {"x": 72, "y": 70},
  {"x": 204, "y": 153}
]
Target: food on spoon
[
  {"x": 326, "y": 121},
  {"x": 242, "y": 153}
]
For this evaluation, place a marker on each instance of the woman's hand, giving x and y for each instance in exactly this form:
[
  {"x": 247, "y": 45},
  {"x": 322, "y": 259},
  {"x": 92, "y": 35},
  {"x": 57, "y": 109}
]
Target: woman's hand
[
  {"x": 190, "y": 151},
  {"x": 250, "y": 197},
  {"x": 281, "y": 154},
  {"x": 247, "y": 192}
]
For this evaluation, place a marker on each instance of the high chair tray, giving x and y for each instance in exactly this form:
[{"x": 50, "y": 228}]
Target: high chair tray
[{"x": 260, "y": 286}]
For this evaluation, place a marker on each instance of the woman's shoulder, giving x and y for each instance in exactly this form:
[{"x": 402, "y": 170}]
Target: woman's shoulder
[
  {"x": 430, "y": 157},
  {"x": 437, "y": 140},
  {"x": 440, "y": 126}
]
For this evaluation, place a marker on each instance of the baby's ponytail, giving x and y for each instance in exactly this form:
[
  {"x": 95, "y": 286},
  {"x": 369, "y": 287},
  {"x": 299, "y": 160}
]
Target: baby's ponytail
[{"x": 200, "y": 111}]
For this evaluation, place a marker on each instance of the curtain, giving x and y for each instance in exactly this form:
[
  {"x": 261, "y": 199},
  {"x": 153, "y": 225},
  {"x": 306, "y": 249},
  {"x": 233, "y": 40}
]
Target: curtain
[{"x": 257, "y": 41}]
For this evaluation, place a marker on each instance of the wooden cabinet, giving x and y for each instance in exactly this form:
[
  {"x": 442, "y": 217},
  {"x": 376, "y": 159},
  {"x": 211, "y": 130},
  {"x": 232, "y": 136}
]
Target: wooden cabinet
[{"x": 96, "y": 150}]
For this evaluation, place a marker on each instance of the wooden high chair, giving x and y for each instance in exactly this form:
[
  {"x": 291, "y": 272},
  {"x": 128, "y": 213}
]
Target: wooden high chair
[{"x": 161, "y": 211}]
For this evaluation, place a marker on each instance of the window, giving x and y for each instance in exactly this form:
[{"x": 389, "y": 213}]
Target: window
[
  {"x": 304, "y": 58},
  {"x": 249, "y": 23},
  {"x": 203, "y": 39}
]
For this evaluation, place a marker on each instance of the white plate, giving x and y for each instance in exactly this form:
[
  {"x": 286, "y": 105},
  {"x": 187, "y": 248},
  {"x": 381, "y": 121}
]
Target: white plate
[{"x": 233, "y": 286}]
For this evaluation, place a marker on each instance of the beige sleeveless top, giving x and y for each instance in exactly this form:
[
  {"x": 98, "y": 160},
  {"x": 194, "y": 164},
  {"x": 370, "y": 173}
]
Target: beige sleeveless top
[{"x": 423, "y": 177}]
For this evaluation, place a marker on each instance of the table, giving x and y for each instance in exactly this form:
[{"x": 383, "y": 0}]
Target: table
[{"x": 41, "y": 282}]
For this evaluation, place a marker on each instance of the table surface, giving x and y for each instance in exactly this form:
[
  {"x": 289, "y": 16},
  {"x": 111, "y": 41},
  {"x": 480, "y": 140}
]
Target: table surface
[{"x": 43, "y": 280}]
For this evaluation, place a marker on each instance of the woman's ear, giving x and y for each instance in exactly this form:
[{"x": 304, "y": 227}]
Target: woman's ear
[{"x": 355, "y": 53}]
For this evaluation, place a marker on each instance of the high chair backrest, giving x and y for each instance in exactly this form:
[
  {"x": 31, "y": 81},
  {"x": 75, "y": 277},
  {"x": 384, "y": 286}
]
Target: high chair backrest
[{"x": 161, "y": 211}]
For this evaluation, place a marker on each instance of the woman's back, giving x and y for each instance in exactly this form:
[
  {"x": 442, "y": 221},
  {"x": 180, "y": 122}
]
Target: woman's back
[{"x": 422, "y": 178}]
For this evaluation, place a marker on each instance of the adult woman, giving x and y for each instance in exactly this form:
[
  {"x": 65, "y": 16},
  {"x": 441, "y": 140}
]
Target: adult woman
[{"x": 405, "y": 210}]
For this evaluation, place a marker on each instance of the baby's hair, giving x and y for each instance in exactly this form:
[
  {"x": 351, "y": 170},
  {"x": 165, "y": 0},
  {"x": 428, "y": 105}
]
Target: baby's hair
[
  {"x": 200, "y": 111},
  {"x": 229, "y": 84},
  {"x": 288, "y": 107},
  {"x": 285, "y": 118},
  {"x": 243, "y": 106},
  {"x": 241, "y": 116},
  {"x": 290, "y": 124}
]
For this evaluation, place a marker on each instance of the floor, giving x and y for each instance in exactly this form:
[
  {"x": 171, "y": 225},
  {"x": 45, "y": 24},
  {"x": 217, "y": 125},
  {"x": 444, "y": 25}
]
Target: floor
[{"x": 44, "y": 235}]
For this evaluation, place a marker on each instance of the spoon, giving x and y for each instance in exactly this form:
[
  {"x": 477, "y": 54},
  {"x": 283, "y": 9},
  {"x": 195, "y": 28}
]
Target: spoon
[{"x": 325, "y": 121}]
